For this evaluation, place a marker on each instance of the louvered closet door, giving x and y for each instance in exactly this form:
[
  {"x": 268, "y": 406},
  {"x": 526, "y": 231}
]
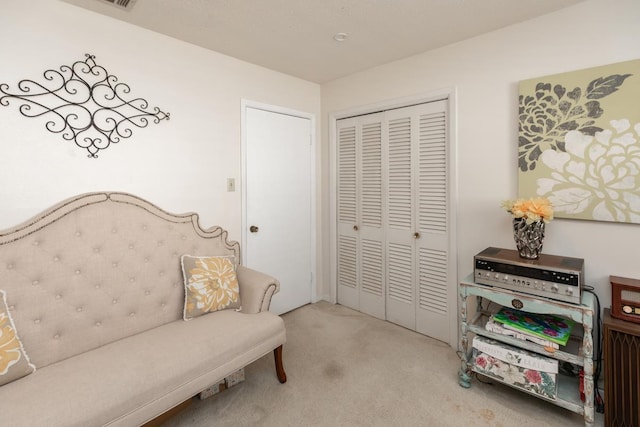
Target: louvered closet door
[
  {"x": 417, "y": 228},
  {"x": 432, "y": 208},
  {"x": 360, "y": 215},
  {"x": 393, "y": 226}
]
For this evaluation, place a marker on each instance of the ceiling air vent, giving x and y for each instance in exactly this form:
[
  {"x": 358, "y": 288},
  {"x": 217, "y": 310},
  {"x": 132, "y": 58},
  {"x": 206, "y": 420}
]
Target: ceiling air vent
[{"x": 121, "y": 4}]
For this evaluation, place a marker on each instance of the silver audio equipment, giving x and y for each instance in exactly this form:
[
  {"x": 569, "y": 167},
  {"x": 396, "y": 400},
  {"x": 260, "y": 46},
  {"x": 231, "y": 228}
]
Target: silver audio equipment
[{"x": 550, "y": 276}]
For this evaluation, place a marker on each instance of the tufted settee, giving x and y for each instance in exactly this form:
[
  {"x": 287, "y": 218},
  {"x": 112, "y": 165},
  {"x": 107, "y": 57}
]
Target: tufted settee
[{"x": 95, "y": 291}]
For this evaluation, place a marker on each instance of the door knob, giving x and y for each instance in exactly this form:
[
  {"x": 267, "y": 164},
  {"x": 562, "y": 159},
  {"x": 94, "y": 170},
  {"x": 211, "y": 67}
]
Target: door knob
[
  {"x": 355, "y": 227},
  {"x": 253, "y": 229},
  {"x": 416, "y": 235}
]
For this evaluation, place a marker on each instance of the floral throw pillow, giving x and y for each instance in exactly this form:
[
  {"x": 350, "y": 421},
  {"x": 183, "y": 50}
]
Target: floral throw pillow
[
  {"x": 14, "y": 362},
  {"x": 210, "y": 284}
]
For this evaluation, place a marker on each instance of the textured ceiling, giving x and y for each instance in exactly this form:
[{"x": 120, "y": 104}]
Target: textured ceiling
[{"x": 296, "y": 36}]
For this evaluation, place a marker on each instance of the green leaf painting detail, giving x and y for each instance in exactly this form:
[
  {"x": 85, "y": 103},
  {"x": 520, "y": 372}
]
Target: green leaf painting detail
[{"x": 547, "y": 115}]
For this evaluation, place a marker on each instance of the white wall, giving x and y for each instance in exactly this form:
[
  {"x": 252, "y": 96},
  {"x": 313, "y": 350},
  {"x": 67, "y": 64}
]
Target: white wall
[
  {"x": 485, "y": 72},
  {"x": 181, "y": 165}
]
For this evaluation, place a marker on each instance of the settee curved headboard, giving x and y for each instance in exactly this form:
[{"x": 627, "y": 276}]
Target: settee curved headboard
[
  {"x": 68, "y": 206},
  {"x": 110, "y": 262}
]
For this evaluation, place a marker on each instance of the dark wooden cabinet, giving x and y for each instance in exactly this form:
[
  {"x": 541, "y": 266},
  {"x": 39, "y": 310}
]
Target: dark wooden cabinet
[{"x": 621, "y": 372}]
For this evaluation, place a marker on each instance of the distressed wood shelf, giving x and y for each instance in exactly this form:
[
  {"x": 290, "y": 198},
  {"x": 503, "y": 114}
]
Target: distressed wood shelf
[{"x": 578, "y": 351}]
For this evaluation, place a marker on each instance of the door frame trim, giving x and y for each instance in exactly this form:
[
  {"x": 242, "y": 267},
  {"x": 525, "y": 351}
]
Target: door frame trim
[
  {"x": 449, "y": 94},
  {"x": 244, "y": 104}
]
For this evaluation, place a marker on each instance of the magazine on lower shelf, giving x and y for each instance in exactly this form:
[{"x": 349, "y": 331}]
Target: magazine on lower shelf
[
  {"x": 546, "y": 326},
  {"x": 498, "y": 328}
]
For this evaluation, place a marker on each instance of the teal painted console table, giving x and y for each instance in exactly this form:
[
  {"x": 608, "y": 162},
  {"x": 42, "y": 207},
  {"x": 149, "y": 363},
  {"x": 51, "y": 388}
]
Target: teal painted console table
[{"x": 578, "y": 351}]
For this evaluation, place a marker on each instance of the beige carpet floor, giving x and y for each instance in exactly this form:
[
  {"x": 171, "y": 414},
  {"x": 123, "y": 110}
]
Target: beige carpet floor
[{"x": 349, "y": 369}]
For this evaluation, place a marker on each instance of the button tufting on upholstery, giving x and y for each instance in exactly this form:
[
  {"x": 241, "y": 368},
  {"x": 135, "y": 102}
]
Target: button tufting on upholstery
[{"x": 49, "y": 265}]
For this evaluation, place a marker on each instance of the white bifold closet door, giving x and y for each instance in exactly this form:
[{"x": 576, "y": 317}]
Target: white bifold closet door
[
  {"x": 393, "y": 223},
  {"x": 360, "y": 215}
]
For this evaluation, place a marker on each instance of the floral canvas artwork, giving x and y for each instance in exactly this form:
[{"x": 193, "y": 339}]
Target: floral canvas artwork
[{"x": 579, "y": 142}]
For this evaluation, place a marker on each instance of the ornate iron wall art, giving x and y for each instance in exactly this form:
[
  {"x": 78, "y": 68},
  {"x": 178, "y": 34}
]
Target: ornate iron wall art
[{"x": 85, "y": 104}]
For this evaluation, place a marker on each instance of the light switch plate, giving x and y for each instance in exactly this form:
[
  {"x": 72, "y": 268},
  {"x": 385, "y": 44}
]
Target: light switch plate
[{"x": 231, "y": 184}]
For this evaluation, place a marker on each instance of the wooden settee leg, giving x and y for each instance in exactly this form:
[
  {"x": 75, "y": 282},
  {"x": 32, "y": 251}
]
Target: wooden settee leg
[{"x": 277, "y": 354}]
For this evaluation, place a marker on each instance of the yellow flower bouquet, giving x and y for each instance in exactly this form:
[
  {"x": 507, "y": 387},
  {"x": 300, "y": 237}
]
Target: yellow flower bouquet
[{"x": 532, "y": 210}]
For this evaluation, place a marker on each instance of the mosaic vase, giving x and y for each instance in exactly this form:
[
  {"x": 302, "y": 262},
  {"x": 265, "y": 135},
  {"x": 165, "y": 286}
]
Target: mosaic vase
[{"x": 528, "y": 237}]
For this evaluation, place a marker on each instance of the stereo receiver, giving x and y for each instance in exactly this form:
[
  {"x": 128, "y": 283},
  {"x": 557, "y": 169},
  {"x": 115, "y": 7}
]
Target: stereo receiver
[{"x": 550, "y": 276}]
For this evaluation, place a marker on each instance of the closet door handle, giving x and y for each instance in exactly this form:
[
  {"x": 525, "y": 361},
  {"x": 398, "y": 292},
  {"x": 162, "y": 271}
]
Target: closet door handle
[
  {"x": 416, "y": 235},
  {"x": 355, "y": 227}
]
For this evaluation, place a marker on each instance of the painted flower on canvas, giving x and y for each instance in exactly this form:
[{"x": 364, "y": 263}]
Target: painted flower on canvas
[
  {"x": 552, "y": 111},
  {"x": 579, "y": 142},
  {"x": 597, "y": 175}
]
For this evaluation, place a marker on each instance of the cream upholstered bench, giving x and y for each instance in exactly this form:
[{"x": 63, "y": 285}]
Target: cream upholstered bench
[{"x": 94, "y": 291}]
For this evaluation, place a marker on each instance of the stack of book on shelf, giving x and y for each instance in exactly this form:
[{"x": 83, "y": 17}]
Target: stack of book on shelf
[{"x": 544, "y": 329}]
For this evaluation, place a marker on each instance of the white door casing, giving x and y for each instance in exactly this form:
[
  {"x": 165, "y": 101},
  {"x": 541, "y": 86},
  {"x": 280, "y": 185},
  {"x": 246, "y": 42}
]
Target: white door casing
[{"x": 278, "y": 199}]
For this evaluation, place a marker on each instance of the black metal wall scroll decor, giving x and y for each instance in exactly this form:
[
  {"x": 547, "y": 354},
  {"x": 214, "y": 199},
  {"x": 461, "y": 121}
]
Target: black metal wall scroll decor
[{"x": 84, "y": 103}]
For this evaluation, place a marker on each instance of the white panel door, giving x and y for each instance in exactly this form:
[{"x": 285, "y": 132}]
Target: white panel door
[{"x": 278, "y": 203}]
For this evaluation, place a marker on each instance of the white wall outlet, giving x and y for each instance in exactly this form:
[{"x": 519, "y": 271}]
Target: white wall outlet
[{"x": 231, "y": 184}]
